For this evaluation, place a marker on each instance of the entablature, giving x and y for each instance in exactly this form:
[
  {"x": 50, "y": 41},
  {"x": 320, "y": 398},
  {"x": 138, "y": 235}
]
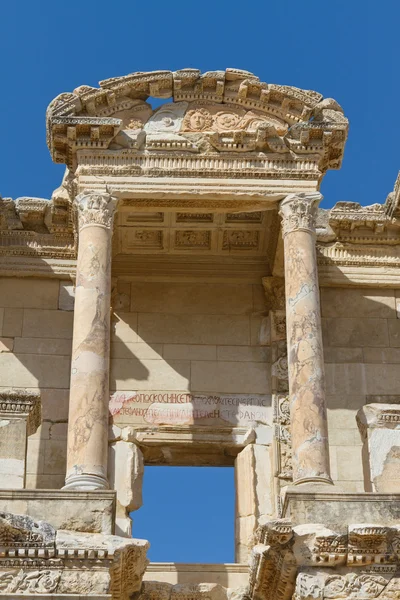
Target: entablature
[{"x": 218, "y": 122}]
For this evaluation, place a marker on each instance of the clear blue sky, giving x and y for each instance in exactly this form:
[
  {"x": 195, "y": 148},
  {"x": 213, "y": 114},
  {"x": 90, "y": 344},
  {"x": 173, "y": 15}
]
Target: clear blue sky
[{"x": 345, "y": 49}]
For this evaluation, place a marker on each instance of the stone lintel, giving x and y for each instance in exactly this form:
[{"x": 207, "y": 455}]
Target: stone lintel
[{"x": 194, "y": 193}]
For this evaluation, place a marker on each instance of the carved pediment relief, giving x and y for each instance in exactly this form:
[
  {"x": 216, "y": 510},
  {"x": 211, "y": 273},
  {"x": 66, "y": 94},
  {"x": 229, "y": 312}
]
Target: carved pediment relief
[{"x": 214, "y": 112}]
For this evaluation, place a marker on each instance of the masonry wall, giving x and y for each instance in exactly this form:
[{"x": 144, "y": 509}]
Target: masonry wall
[
  {"x": 202, "y": 338},
  {"x": 195, "y": 337},
  {"x": 36, "y": 333},
  {"x": 361, "y": 333}
]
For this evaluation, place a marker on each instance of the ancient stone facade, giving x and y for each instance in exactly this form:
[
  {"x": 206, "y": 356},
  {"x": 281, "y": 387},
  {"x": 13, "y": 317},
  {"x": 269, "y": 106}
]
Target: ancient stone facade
[{"x": 183, "y": 300}]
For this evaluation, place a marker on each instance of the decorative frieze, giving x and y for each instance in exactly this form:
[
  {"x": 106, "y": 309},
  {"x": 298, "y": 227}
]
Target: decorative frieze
[
  {"x": 314, "y": 563},
  {"x": 37, "y": 559}
]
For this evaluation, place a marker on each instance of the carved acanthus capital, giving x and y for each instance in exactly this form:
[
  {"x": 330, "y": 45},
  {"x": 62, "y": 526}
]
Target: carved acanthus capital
[
  {"x": 95, "y": 209},
  {"x": 299, "y": 212}
]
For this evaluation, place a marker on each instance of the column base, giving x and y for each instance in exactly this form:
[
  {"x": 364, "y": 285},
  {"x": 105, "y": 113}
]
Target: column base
[
  {"x": 314, "y": 481},
  {"x": 86, "y": 482}
]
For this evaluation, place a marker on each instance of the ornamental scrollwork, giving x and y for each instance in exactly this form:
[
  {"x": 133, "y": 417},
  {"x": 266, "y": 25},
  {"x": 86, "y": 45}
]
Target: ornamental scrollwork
[
  {"x": 95, "y": 209},
  {"x": 299, "y": 212}
]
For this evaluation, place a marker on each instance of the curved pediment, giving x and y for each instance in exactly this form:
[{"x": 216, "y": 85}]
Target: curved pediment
[{"x": 210, "y": 113}]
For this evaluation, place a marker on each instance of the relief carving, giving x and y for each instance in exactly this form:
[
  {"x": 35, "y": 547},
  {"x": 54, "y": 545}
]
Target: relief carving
[
  {"x": 95, "y": 209},
  {"x": 31, "y": 582},
  {"x": 299, "y": 212}
]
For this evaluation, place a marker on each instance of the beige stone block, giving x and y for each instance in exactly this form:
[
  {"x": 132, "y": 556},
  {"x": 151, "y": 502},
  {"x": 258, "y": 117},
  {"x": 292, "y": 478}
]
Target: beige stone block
[
  {"x": 12, "y": 452},
  {"x": 12, "y": 322},
  {"x": 349, "y": 463},
  {"x": 136, "y": 350},
  {"x": 343, "y": 355},
  {"x": 55, "y": 457},
  {"x": 123, "y": 300},
  {"x": 394, "y": 333},
  {"x": 340, "y": 437},
  {"x": 325, "y": 332},
  {"x": 380, "y": 430},
  {"x": 230, "y": 377},
  {"x": 66, "y": 296},
  {"x": 6, "y": 344},
  {"x": 351, "y": 487},
  {"x": 358, "y": 302},
  {"x": 58, "y": 431},
  {"x": 126, "y": 469},
  {"x": 382, "y": 379},
  {"x": 194, "y": 329},
  {"x": 343, "y": 379},
  {"x": 42, "y": 432},
  {"x": 342, "y": 419},
  {"x": 55, "y": 404},
  {"x": 190, "y": 351},
  {"x": 49, "y": 482},
  {"x": 47, "y": 324},
  {"x": 35, "y": 456},
  {"x": 358, "y": 332},
  {"x": 28, "y": 292},
  {"x": 244, "y": 353},
  {"x": 259, "y": 299},
  {"x": 124, "y": 327},
  {"x": 30, "y": 370},
  {"x": 149, "y": 374},
  {"x": 61, "y": 346},
  {"x": 381, "y": 355},
  {"x": 191, "y": 298},
  {"x": 333, "y": 460},
  {"x": 260, "y": 330},
  {"x": 244, "y": 530}
]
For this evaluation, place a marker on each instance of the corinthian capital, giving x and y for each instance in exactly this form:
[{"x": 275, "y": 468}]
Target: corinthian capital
[
  {"x": 299, "y": 212},
  {"x": 95, "y": 209}
]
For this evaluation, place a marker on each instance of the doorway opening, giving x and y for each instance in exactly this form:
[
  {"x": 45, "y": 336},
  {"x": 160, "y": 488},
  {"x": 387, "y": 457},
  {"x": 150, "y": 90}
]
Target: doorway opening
[{"x": 188, "y": 514}]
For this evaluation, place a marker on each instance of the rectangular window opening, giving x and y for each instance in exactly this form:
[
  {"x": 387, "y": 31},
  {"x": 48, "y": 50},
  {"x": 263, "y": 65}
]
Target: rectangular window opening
[{"x": 188, "y": 514}]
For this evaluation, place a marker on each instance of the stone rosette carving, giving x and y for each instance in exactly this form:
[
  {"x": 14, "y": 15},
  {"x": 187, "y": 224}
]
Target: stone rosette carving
[
  {"x": 299, "y": 212},
  {"x": 95, "y": 209}
]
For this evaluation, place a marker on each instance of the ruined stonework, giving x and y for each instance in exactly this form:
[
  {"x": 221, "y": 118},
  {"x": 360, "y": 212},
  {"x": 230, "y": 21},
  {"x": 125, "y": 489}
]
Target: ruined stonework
[{"x": 182, "y": 299}]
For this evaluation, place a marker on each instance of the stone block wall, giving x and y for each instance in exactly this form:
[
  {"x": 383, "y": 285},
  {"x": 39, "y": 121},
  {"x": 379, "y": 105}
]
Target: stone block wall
[
  {"x": 195, "y": 337},
  {"x": 361, "y": 335},
  {"x": 199, "y": 338},
  {"x": 36, "y": 317}
]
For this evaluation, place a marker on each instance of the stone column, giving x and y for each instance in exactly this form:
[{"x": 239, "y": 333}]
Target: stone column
[
  {"x": 304, "y": 341},
  {"x": 89, "y": 392}
]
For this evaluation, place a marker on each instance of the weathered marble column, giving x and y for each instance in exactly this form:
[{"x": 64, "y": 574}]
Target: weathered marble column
[
  {"x": 89, "y": 392},
  {"x": 304, "y": 340}
]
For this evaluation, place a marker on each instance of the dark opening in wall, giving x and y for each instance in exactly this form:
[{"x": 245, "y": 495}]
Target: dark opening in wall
[{"x": 187, "y": 514}]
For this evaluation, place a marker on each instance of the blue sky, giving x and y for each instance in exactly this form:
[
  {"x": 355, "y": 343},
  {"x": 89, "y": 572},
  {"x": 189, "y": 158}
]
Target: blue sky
[{"x": 346, "y": 49}]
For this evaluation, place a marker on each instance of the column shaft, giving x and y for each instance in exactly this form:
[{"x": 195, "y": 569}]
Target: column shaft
[
  {"x": 304, "y": 339},
  {"x": 89, "y": 392}
]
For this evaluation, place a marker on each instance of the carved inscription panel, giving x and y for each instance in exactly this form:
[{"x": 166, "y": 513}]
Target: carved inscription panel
[{"x": 158, "y": 408}]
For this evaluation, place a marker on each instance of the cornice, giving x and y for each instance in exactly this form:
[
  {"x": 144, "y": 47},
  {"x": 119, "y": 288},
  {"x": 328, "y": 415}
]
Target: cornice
[{"x": 215, "y": 112}]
